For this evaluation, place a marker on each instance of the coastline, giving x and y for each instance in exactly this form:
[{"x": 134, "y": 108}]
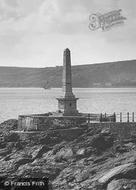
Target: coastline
[{"x": 94, "y": 159}]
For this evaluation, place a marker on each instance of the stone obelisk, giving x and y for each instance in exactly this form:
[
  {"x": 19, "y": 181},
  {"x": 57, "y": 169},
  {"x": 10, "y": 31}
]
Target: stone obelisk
[{"x": 68, "y": 103}]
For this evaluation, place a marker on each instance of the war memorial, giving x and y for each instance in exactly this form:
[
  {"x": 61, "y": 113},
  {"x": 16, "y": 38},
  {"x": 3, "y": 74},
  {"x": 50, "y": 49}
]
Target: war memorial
[{"x": 67, "y": 113}]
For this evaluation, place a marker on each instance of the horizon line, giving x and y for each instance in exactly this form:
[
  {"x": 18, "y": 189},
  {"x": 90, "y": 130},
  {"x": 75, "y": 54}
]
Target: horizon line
[{"x": 97, "y": 63}]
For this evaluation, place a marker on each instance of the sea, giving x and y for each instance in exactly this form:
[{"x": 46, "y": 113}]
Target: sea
[{"x": 19, "y": 101}]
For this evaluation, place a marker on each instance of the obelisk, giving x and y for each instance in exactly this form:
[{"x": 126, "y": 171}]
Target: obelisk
[
  {"x": 67, "y": 78},
  {"x": 68, "y": 103}
]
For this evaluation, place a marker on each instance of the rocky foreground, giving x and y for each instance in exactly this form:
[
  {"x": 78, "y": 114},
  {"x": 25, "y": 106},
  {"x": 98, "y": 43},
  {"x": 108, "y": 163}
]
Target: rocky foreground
[{"x": 95, "y": 160}]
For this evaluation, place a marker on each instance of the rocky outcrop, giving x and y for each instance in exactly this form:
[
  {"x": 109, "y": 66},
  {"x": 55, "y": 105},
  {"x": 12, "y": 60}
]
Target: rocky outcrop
[
  {"x": 122, "y": 184},
  {"x": 119, "y": 171},
  {"x": 94, "y": 159},
  {"x": 125, "y": 171},
  {"x": 8, "y": 125}
]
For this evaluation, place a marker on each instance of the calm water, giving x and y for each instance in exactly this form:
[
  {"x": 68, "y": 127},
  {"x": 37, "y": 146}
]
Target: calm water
[{"x": 15, "y": 101}]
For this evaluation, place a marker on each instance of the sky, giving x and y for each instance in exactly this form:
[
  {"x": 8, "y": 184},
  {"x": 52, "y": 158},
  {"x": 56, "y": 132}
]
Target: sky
[{"x": 34, "y": 33}]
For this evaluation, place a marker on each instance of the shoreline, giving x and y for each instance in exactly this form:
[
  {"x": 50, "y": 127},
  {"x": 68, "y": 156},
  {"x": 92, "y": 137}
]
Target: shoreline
[{"x": 92, "y": 158}]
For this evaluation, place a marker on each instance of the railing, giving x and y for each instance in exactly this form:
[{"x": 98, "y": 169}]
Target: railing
[
  {"x": 101, "y": 117},
  {"x": 126, "y": 117},
  {"x": 115, "y": 117}
]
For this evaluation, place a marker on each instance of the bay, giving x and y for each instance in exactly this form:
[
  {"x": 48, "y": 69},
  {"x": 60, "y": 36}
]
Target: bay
[{"x": 18, "y": 101}]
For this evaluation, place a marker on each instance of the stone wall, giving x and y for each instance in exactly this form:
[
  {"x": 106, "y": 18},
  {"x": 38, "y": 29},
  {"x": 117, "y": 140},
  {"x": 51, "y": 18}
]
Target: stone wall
[
  {"x": 43, "y": 123},
  {"x": 34, "y": 123}
]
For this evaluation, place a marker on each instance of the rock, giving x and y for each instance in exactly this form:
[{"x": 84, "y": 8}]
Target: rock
[
  {"x": 101, "y": 142},
  {"x": 57, "y": 147},
  {"x": 64, "y": 153},
  {"x": 121, "y": 149},
  {"x": 34, "y": 151},
  {"x": 8, "y": 125},
  {"x": 48, "y": 155},
  {"x": 23, "y": 169},
  {"x": 122, "y": 184},
  {"x": 41, "y": 151},
  {"x": 12, "y": 137},
  {"x": 6, "y": 167},
  {"x": 126, "y": 170},
  {"x": 22, "y": 161},
  {"x": 90, "y": 158},
  {"x": 130, "y": 145},
  {"x": 81, "y": 176},
  {"x": 81, "y": 152},
  {"x": 105, "y": 131},
  {"x": 4, "y": 152},
  {"x": 98, "y": 160}
]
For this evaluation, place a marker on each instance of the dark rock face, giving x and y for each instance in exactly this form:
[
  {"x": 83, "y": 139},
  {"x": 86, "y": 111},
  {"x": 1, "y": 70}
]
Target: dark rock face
[
  {"x": 101, "y": 142},
  {"x": 8, "y": 125},
  {"x": 122, "y": 184},
  {"x": 93, "y": 159}
]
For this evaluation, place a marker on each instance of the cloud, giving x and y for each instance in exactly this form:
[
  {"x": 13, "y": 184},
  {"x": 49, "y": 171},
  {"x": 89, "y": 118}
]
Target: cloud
[
  {"x": 16, "y": 8},
  {"x": 35, "y": 29}
]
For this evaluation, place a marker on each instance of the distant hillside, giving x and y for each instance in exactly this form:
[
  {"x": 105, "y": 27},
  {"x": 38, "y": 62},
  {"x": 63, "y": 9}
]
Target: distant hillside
[{"x": 113, "y": 74}]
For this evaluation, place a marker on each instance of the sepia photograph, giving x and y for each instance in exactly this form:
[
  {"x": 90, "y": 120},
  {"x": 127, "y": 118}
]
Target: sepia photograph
[{"x": 67, "y": 94}]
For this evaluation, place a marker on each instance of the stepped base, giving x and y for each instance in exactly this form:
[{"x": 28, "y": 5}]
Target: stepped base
[{"x": 68, "y": 106}]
